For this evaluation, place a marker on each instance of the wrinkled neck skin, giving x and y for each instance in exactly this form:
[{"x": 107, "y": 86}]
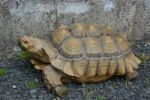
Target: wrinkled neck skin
[
  {"x": 42, "y": 56},
  {"x": 44, "y": 52},
  {"x": 50, "y": 51}
]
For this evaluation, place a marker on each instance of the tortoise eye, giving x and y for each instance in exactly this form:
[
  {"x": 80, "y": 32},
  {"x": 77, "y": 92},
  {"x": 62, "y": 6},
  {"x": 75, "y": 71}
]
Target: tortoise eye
[{"x": 25, "y": 42}]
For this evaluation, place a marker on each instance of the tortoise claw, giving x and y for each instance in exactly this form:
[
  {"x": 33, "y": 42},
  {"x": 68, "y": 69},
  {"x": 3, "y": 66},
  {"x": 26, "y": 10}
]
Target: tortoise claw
[
  {"x": 59, "y": 90},
  {"x": 133, "y": 75}
]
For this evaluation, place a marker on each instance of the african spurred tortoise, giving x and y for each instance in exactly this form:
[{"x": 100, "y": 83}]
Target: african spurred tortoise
[{"x": 82, "y": 53}]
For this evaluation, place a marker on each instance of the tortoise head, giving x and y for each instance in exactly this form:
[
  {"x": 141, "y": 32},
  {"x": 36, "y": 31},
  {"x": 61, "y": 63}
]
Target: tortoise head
[
  {"x": 31, "y": 44},
  {"x": 39, "y": 48}
]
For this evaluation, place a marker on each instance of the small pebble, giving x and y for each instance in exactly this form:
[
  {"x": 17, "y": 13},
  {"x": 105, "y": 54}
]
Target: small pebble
[
  {"x": 33, "y": 91},
  {"x": 43, "y": 91},
  {"x": 16, "y": 49},
  {"x": 83, "y": 85},
  {"x": 147, "y": 91},
  {"x": 33, "y": 97},
  {"x": 147, "y": 43},
  {"x": 14, "y": 86},
  {"x": 36, "y": 80}
]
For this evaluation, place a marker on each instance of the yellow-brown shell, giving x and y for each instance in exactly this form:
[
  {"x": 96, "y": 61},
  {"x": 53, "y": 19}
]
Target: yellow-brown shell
[{"x": 90, "y": 51}]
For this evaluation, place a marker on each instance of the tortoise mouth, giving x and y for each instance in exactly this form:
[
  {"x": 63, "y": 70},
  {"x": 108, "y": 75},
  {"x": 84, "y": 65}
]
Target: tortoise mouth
[{"x": 21, "y": 45}]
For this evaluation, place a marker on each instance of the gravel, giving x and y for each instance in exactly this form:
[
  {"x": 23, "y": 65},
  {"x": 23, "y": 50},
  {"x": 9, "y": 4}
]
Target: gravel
[
  {"x": 32, "y": 91},
  {"x": 12, "y": 85}
]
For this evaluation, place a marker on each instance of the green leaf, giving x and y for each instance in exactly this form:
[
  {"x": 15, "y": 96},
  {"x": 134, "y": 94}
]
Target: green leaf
[
  {"x": 2, "y": 72},
  {"x": 100, "y": 97},
  {"x": 24, "y": 55},
  {"x": 31, "y": 85}
]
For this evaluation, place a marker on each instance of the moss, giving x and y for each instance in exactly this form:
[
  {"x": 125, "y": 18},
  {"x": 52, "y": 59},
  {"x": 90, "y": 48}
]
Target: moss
[
  {"x": 21, "y": 55},
  {"x": 24, "y": 55},
  {"x": 2, "y": 72},
  {"x": 100, "y": 97},
  {"x": 31, "y": 85}
]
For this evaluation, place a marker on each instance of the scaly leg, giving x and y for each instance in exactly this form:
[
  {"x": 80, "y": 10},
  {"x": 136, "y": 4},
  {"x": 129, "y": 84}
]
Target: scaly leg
[
  {"x": 132, "y": 75},
  {"x": 53, "y": 80},
  {"x": 38, "y": 64},
  {"x": 52, "y": 77}
]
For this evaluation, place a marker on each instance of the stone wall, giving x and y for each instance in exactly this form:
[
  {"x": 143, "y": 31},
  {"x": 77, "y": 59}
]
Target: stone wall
[
  {"x": 41, "y": 17},
  {"x": 147, "y": 18}
]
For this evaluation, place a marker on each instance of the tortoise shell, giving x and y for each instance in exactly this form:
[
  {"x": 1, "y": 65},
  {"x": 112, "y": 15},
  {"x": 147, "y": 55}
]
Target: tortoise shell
[{"x": 91, "y": 51}]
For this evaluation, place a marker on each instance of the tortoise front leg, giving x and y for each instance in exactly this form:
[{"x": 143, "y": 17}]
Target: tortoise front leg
[
  {"x": 52, "y": 77},
  {"x": 53, "y": 80},
  {"x": 37, "y": 64}
]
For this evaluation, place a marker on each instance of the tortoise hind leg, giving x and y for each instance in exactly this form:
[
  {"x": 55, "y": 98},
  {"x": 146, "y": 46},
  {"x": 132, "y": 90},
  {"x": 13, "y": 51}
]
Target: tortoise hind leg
[
  {"x": 53, "y": 80},
  {"x": 131, "y": 68},
  {"x": 131, "y": 72},
  {"x": 132, "y": 75}
]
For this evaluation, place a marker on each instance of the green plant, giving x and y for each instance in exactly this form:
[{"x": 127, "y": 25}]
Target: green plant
[
  {"x": 100, "y": 97},
  {"x": 2, "y": 72},
  {"x": 24, "y": 55},
  {"x": 127, "y": 81},
  {"x": 87, "y": 91},
  {"x": 31, "y": 85}
]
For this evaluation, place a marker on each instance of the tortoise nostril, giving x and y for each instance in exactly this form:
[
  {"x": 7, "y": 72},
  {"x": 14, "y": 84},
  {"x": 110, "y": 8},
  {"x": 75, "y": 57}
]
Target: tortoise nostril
[{"x": 25, "y": 41}]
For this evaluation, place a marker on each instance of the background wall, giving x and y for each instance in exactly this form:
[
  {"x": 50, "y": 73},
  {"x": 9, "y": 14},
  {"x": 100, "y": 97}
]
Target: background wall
[
  {"x": 147, "y": 18},
  {"x": 39, "y": 17}
]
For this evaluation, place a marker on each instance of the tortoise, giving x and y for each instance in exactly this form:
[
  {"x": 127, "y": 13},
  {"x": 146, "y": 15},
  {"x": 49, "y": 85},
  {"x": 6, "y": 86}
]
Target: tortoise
[{"x": 81, "y": 53}]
